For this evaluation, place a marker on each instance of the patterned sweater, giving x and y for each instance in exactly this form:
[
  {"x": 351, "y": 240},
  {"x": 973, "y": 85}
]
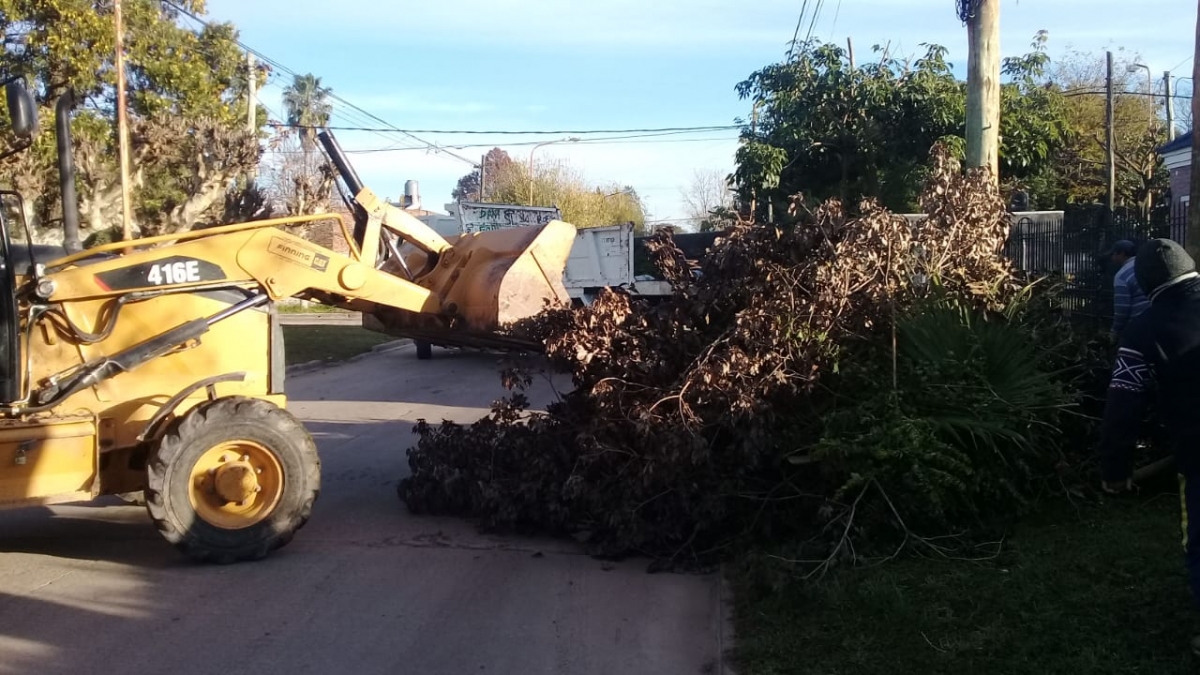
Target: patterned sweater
[{"x": 1159, "y": 356}]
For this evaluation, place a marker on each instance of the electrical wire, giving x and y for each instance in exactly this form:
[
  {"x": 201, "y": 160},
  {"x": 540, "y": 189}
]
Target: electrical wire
[
  {"x": 531, "y": 143},
  {"x": 582, "y": 140},
  {"x": 796, "y": 33},
  {"x": 581, "y": 132},
  {"x": 279, "y": 66},
  {"x": 356, "y": 123},
  {"x": 813, "y": 21}
]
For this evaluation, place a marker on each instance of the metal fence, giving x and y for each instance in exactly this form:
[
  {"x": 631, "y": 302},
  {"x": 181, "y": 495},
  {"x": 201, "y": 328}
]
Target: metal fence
[
  {"x": 1073, "y": 246},
  {"x": 1069, "y": 246}
]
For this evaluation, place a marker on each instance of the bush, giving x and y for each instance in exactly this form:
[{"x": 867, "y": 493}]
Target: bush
[
  {"x": 971, "y": 430},
  {"x": 753, "y": 401}
]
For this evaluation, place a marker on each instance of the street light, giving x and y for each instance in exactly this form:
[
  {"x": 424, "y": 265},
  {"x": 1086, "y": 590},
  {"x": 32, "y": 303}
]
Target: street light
[
  {"x": 1133, "y": 68},
  {"x": 572, "y": 139}
]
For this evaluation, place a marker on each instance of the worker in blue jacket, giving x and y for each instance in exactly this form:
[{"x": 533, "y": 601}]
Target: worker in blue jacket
[
  {"x": 1128, "y": 298},
  {"x": 1159, "y": 352}
]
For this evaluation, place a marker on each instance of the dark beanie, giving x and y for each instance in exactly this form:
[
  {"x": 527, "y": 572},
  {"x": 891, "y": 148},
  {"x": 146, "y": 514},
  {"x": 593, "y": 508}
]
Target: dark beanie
[{"x": 1160, "y": 261}]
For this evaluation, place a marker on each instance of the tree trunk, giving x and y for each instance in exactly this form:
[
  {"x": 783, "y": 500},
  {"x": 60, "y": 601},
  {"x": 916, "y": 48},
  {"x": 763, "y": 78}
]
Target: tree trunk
[
  {"x": 1193, "y": 228},
  {"x": 187, "y": 215},
  {"x": 983, "y": 88}
]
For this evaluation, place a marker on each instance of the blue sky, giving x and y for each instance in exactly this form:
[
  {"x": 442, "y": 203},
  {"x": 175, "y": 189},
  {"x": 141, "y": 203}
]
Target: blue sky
[{"x": 619, "y": 64}]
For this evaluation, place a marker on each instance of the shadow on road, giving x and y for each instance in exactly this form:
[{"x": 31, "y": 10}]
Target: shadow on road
[
  {"x": 364, "y": 588},
  {"x": 398, "y": 376}
]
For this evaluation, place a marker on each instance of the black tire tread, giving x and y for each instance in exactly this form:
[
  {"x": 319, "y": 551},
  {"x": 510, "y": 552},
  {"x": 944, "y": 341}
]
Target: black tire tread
[
  {"x": 199, "y": 421},
  {"x": 424, "y": 350}
]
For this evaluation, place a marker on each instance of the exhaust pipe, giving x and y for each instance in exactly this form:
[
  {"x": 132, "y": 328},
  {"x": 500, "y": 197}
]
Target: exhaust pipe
[{"x": 66, "y": 173}]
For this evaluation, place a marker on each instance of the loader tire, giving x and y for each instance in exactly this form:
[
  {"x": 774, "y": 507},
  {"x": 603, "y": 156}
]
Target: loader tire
[
  {"x": 219, "y": 452},
  {"x": 424, "y": 350}
]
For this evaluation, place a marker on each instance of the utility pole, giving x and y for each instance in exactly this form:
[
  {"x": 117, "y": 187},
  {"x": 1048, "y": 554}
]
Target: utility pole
[
  {"x": 1170, "y": 106},
  {"x": 983, "y": 85},
  {"x": 753, "y": 188},
  {"x": 482, "y": 177},
  {"x": 252, "y": 96},
  {"x": 252, "y": 107},
  {"x": 1110, "y": 149},
  {"x": 122, "y": 127},
  {"x": 850, "y": 52},
  {"x": 1192, "y": 241}
]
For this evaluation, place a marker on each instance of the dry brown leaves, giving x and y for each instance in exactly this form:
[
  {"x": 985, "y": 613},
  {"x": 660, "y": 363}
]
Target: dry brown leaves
[{"x": 675, "y": 402}]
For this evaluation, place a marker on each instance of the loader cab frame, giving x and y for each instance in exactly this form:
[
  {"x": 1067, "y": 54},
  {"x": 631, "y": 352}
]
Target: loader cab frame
[
  {"x": 22, "y": 111},
  {"x": 24, "y": 259}
]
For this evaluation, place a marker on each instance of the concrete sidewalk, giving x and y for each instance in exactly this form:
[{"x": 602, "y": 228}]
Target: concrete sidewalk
[{"x": 320, "y": 318}]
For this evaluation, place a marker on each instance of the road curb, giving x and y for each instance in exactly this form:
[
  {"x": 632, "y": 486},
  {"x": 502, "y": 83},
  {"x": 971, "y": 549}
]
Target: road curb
[
  {"x": 309, "y": 366},
  {"x": 391, "y": 346}
]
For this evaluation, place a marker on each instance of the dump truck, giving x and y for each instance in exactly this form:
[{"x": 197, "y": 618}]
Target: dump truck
[
  {"x": 601, "y": 257},
  {"x": 156, "y": 366}
]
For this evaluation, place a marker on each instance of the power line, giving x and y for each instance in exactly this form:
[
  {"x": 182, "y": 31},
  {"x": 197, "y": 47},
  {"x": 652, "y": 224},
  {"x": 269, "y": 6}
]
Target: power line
[
  {"x": 1181, "y": 63},
  {"x": 354, "y": 120},
  {"x": 647, "y": 134},
  {"x": 279, "y": 66},
  {"x": 799, "y": 23},
  {"x": 598, "y": 141},
  {"x": 836, "y": 13},
  {"x": 714, "y": 127},
  {"x": 813, "y": 21}
]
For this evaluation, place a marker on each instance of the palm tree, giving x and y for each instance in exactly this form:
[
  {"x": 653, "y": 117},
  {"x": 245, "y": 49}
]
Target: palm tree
[{"x": 307, "y": 106}]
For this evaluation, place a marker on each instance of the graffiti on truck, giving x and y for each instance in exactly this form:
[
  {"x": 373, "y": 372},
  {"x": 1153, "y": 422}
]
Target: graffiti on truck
[{"x": 484, "y": 217}]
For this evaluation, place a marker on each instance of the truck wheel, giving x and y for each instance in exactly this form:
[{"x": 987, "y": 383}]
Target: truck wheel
[
  {"x": 233, "y": 480},
  {"x": 424, "y": 350}
]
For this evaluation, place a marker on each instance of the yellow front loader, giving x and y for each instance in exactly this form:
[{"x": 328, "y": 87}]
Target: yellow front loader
[{"x": 157, "y": 366}]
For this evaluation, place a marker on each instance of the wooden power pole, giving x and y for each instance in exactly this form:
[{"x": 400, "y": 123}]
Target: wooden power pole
[
  {"x": 122, "y": 127},
  {"x": 252, "y": 107},
  {"x": 1110, "y": 146},
  {"x": 251, "y": 95},
  {"x": 482, "y": 177},
  {"x": 983, "y": 83},
  {"x": 1192, "y": 240},
  {"x": 1170, "y": 106}
]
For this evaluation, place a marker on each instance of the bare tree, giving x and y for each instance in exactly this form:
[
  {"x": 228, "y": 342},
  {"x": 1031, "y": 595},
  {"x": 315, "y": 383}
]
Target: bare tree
[
  {"x": 708, "y": 200},
  {"x": 297, "y": 182}
]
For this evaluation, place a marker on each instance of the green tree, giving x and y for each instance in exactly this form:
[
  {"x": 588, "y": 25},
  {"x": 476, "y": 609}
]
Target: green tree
[
  {"x": 556, "y": 183},
  {"x": 1033, "y": 124},
  {"x": 186, "y": 92},
  {"x": 307, "y": 105},
  {"x": 825, "y": 128},
  {"x": 1077, "y": 173}
]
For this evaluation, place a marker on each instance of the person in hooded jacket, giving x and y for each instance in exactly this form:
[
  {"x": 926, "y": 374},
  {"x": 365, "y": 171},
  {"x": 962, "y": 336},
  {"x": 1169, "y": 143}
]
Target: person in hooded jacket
[{"x": 1159, "y": 353}]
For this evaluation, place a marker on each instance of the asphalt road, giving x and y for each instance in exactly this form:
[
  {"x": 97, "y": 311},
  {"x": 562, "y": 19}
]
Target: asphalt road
[{"x": 364, "y": 588}]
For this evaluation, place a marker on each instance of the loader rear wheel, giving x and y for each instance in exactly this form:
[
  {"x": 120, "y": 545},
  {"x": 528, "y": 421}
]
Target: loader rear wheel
[{"x": 233, "y": 480}]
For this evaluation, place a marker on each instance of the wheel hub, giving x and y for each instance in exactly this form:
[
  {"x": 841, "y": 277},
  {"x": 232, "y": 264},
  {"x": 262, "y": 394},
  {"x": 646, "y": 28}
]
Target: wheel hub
[
  {"x": 236, "y": 484},
  {"x": 236, "y": 481}
]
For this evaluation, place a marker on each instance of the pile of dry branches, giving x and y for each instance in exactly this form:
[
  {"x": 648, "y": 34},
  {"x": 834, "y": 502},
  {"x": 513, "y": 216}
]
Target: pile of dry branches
[{"x": 673, "y": 432}]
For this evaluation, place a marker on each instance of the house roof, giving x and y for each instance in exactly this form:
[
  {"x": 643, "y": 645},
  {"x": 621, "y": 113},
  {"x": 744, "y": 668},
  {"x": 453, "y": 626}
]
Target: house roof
[{"x": 1181, "y": 142}]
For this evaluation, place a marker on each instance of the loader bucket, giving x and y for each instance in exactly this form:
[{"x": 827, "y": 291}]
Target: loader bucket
[{"x": 485, "y": 281}]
